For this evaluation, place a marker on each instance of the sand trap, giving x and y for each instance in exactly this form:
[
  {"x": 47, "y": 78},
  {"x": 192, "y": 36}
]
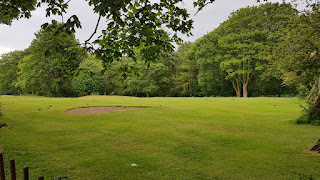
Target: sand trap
[{"x": 99, "y": 109}]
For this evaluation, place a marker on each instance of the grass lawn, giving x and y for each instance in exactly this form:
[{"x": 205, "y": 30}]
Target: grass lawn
[{"x": 184, "y": 138}]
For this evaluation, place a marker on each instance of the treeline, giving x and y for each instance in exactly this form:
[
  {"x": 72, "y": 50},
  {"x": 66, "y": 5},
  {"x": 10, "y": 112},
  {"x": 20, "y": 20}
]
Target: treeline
[{"x": 269, "y": 50}]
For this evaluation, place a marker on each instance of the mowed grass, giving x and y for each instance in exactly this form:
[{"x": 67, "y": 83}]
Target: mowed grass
[{"x": 184, "y": 138}]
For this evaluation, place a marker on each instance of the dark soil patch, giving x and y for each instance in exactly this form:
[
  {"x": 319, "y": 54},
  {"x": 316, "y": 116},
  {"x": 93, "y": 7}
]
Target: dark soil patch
[{"x": 100, "y": 109}]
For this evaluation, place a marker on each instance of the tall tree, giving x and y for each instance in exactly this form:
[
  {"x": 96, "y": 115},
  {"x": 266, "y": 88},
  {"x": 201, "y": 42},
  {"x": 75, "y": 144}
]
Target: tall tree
[
  {"x": 299, "y": 54},
  {"x": 247, "y": 39},
  {"x": 9, "y": 71},
  {"x": 186, "y": 71},
  {"x": 50, "y": 67},
  {"x": 211, "y": 78}
]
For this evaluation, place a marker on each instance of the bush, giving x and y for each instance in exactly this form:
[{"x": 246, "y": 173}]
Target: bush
[{"x": 310, "y": 116}]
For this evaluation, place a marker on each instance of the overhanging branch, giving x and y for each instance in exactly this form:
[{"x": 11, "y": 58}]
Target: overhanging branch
[{"x": 95, "y": 31}]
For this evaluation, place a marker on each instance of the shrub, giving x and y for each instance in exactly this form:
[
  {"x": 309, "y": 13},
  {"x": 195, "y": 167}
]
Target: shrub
[{"x": 310, "y": 116}]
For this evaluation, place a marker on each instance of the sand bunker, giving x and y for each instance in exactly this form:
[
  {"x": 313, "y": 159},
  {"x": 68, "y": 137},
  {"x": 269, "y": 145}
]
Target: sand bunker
[{"x": 99, "y": 109}]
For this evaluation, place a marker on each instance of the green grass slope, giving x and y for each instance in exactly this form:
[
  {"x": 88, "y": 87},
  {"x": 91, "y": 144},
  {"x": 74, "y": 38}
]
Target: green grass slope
[{"x": 184, "y": 138}]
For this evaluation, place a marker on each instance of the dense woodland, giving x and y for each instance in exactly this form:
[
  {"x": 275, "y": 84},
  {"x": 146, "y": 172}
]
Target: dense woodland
[{"x": 269, "y": 50}]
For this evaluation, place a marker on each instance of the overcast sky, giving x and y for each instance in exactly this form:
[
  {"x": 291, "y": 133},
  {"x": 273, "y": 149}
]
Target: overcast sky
[{"x": 19, "y": 35}]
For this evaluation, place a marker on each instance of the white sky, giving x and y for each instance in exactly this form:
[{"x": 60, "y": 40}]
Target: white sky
[{"x": 19, "y": 35}]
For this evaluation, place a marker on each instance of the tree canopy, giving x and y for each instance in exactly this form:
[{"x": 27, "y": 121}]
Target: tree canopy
[
  {"x": 9, "y": 71},
  {"x": 243, "y": 44},
  {"x": 48, "y": 69},
  {"x": 88, "y": 79}
]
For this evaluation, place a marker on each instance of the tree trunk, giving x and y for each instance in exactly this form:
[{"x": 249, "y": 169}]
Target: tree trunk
[
  {"x": 236, "y": 87},
  {"x": 316, "y": 105},
  {"x": 147, "y": 94},
  {"x": 245, "y": 83},
  {"x": 238, "y": 93},
  {"x": 245, "y": 89},
  {"x": 311, "y": 94}
]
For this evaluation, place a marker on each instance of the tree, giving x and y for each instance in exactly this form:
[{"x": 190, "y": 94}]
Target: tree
[
  {"x": 151, "y": 80},
  {"x": 114, "y": 79},
  {"x": 241, "y": 59},
  {"x": 299, "y": 54},
  {"x": 9, "y": 71},
  {"x": 49, "y": 69},
  {"x": 186, "y": 71},
  {"x": 89, "y": 78},
  {"x": 10, "y": 10},
  {"x": 245, "y": 42},
  {"x": 211, "y": 78}
]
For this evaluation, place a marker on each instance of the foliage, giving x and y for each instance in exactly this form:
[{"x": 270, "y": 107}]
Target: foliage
[
  {"x": 186, "y": 71},
  {"x": 309, "y": 116},
  {"x": 49, "y": 69},
  {"x": 9, "y": 71},
  {"x": 239, "y": 49},
  {"x": 10, "y": 10},
  {"x": 298, "y": 52},
  {"x": 88, "y": 79},
  {"x": 298, "y": 57},
  {"x": 114, "y": 79},
  {"x": 130, "y": 24},
  {"x": 152, "y": 80},
  {"x": 211, "y": 78},
  {"x": 149, "y": 79}
]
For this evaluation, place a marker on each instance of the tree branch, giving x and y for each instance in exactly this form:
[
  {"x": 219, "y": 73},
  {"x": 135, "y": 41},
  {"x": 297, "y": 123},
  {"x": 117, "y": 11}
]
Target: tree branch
[
  {"x": 95, "y": 31},
  {"x": 202, "y": 7},
  {"x": 144, "y": 7}
]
